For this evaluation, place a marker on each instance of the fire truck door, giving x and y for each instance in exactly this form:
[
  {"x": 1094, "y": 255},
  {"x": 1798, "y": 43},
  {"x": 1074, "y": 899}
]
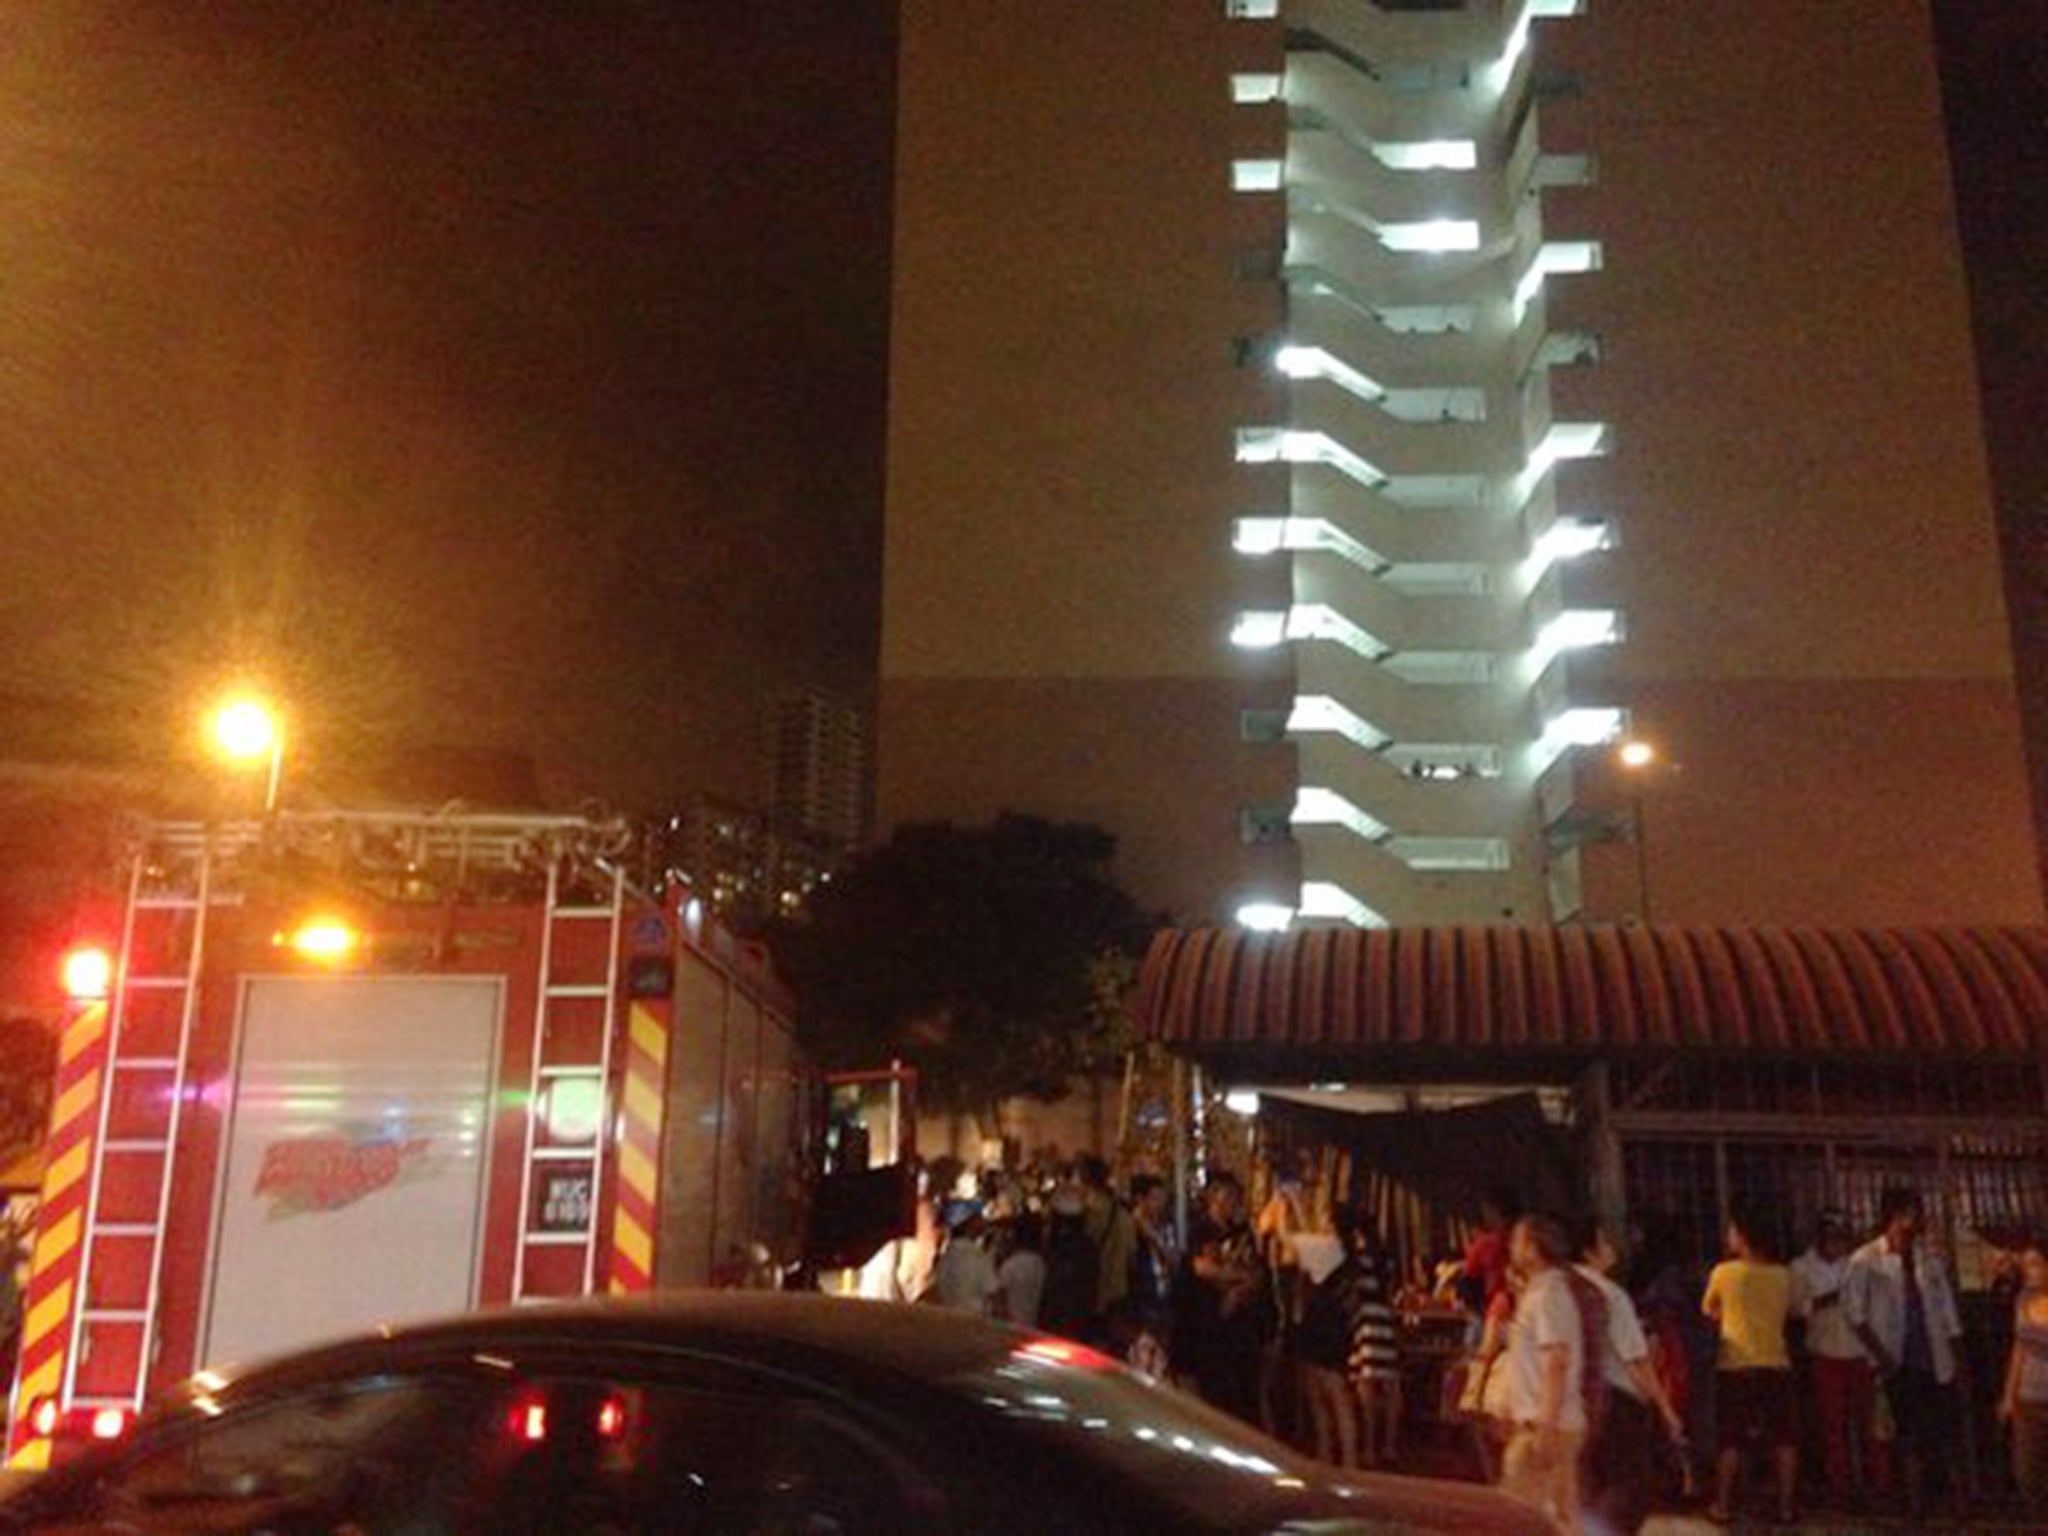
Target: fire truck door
[
  {"x": 866, "y": 1193},
  {"x": 357, "y": 1133}
]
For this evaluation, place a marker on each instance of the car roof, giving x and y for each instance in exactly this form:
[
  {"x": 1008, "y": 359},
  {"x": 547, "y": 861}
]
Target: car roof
[
  {"x": 774, "y": 1328},
  {"x": 854, "y": 1344}
]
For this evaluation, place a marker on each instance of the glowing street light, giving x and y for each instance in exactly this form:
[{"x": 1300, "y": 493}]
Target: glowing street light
[
  {"x": 1636, "y": 754},
  {"x": 248, "y": 729}
]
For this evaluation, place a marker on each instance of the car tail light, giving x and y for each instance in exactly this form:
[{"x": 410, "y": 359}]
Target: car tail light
[
  {"x": 109, "y": 1423},
  {"x": 530, "y": 1422},
  {"x": 611, "y": 1418},
  {"x": 44, "y": 1417},
  {"x": 1064, "y": 1352}
]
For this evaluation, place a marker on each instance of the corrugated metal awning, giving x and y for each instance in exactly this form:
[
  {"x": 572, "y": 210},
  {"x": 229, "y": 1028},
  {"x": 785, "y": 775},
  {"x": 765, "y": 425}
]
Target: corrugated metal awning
[{"x": 1581, "y": 991}]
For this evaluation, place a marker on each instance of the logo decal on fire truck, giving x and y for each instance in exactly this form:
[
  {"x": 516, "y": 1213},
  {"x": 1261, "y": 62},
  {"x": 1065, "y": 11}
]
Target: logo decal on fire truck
[{"x": 325, "y": 1173}]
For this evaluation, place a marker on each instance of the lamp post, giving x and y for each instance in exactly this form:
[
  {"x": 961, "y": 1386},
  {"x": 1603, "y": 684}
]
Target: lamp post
[
  {"x": 1637, "y": 757},
  {"x": 246, "y": 728}
]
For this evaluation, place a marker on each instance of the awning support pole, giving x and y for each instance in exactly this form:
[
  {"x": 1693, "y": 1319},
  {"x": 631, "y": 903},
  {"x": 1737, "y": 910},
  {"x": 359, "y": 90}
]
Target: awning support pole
[
  {"x": 1606, "y": 1169},
  {"x": 1177, "y": 1091}
]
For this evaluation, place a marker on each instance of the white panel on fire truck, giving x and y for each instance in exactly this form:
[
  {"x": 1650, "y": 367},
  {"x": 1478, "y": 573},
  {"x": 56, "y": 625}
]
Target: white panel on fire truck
[{"x": 358, "y": 1135}]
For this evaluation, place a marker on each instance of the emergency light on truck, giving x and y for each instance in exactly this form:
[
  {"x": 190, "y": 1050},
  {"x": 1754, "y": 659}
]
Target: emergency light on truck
[
  {"x": 88, "y": 974},
  {"x": 326, "y": 940}
]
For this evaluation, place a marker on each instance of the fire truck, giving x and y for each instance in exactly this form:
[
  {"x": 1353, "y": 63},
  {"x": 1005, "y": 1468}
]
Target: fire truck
[{"x": 329, "y": 1070}]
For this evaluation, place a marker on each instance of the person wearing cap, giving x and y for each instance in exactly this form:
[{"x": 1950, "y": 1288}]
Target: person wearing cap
[{"x": 1842, "y": 1381}]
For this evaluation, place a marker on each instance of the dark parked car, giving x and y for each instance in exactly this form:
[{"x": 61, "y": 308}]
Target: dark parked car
[{"x": 726, "y": 1413}]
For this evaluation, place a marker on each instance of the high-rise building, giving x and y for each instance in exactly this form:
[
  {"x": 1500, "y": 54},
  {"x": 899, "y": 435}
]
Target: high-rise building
[
  {"x": 815, "y": 766},
  {"x": 747, "y": 871},
  {"x": 1321, "y": 429}
]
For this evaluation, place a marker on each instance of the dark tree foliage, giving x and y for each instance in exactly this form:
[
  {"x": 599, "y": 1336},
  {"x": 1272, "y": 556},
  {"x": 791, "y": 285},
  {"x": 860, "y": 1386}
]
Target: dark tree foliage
[{"x": 992, "y": 958}]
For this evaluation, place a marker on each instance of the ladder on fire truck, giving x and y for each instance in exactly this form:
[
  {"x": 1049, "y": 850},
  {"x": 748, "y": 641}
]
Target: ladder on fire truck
[
  {"x": 561, "y": 1177},
  {"x": 142, "y": 1095},
  {"x": 178, "y": 874}
]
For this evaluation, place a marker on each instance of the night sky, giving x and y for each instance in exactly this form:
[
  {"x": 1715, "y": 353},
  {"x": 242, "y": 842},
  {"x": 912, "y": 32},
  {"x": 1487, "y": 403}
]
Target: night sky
[
  {"x": 501, "y": 375},
  {"x": 479, "y": 374}
]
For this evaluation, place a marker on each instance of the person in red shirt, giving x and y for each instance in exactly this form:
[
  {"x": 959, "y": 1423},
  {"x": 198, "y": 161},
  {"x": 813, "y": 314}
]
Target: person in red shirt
[{"x": 1486, "y": 1255}]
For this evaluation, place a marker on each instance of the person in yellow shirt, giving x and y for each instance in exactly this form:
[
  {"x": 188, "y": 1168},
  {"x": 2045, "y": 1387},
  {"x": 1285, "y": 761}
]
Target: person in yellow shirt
[{"x": 1750, "y": 1298}]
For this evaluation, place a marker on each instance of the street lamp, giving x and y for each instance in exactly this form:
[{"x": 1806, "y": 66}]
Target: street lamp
[
  {"x": 1636, "y": 757},
  {"x": 247, "y": 728}
]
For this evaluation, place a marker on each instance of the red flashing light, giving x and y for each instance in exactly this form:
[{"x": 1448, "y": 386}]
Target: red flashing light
[
  {"x": 530, "y": 1423},
  {"x": 44, "y": 1416},
  {"x": 1064, "y": 1352},
  {"x": 611, "y": 1419},
  {"x": 109, "y": 1423},
  {"x": 88, "y": 974}
]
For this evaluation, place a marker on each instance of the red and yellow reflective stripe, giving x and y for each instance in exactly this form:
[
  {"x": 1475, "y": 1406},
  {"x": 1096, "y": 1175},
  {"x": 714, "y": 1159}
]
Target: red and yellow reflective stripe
[
  {"x": 51, "y": 1301},
  {"x": 639, "y": 1170}
]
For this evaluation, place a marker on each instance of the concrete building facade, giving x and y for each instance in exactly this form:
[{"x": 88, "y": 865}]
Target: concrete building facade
[{"x": 1321, "y": 429}]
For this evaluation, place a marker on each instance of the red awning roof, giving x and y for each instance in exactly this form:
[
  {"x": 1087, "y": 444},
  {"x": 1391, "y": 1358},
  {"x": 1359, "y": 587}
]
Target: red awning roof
[{"x": 1584, "y": 990}]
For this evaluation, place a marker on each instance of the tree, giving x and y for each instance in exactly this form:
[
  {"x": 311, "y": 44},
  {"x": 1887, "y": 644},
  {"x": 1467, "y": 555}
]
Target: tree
[{"x": 992, "y": 958}]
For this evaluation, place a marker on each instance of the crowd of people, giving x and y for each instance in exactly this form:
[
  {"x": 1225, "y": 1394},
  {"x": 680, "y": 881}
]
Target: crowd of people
[
  {"x": 1283, "y": 1317},
  {"x": 1062, "y": 1250},
  {"x": 1598, "y": 1389},
  {"x": 1600, "y": 1398}
]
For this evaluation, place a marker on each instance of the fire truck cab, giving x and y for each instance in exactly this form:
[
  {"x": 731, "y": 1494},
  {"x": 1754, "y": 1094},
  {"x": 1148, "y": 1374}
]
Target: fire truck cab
[{"x": 348, "y": 1068}]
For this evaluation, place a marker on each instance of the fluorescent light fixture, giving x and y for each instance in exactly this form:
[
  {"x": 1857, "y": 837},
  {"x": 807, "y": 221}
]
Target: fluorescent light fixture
[
  {"x": 1578, "y": 728},
  {"x": 1300, "y": 362},
  {"x": 1315, "y": 806},
  {"x": 1564, "y": 440},
  {"x": 1256, "y": 89},
  {"x": 1315, "y": 713},
  {"x": 1502, "y": 69},
  {"x": 1314, "y": 363},
  {"x": 1269, "y": 535},
  {"x": 1277, "y": 445},
  {"x": 1265, "y": 917},
  {"x": 1568, "y": 539},
  {"x": 1431, "y": 235},
  {"x": 1319, "y": 621},
  {"x": 1555, "y": 256},
  {"x": 1429, "y": 155},
  {"x": 1258, "y": 535},
  {"x": 1575, "y": 630},
  {"x": 1330, "y": 902},
  {"x": 1257, "y": 175},
  {"x": 1259, "y": 630},
  {"x": 1576, "y": 439}
]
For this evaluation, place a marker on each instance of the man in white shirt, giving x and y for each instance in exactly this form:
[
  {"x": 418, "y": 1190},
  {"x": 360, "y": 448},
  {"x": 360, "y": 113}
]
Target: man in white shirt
[
  {"x": 1843, "y": 1383},
  {"x": 1622, "y": 1457},
  {"x": 1546, "y": 1364},
  {"x": 967, "y": 1279},
  {"x": 1899, "y": 1302}
]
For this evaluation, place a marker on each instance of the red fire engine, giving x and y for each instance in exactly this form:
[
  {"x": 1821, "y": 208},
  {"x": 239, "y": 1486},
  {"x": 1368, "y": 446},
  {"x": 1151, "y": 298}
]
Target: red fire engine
[{"x": 328, "y": 1070}]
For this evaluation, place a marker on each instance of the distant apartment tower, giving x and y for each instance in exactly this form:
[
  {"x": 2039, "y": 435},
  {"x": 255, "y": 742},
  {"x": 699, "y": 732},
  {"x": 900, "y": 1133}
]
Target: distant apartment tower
[
  {"x": 815, "y": 764},
  {"x": 1288, "y": 418},
  {"x": 747, "y": 871}
]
